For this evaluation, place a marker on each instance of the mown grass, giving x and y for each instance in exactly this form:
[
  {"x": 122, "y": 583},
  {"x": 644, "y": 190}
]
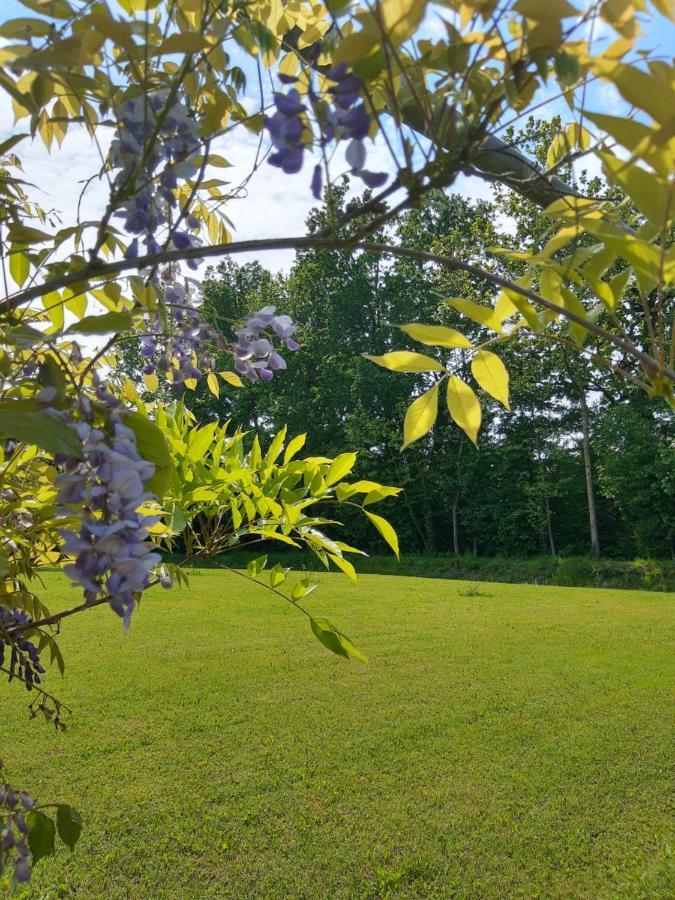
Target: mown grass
[{"x": 514, "y": 742}]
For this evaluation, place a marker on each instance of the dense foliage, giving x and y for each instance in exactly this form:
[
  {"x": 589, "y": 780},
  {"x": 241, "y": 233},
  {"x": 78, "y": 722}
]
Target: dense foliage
[
  {"x": 523, "y": 493},
  {"x": 98, "y": 481}
]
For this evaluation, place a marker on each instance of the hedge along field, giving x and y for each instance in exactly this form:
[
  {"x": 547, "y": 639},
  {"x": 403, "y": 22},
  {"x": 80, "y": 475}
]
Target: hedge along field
[{"x": 502, "y": 741}]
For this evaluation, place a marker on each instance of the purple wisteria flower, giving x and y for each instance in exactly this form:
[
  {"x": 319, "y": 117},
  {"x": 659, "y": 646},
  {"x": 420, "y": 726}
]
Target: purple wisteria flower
[
  {"x": 286, "y": 129},
  {"x": 152, "y": 151},
  {"x": 24, "y": 659},
  {"x": 14, "y": 831},
  {"x": 346, "y": 119},
  {"x": 253, "y": 351},
  {"x": 113, "y": 556}
]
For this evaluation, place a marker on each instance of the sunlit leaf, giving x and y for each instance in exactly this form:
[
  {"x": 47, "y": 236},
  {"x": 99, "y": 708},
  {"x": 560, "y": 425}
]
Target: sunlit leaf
[
  {"x": 491, "y": 374},
  {"x": 420, "y": 416},
  {"x": 294, "y": 446},
  {"x": 436, "y": 335},
  {"x": 232, "y": 378},
  {"x": 406, "y": 361},
  {"x": 341, "y": 466},
  {"x": 386, "y": 530},
  {"x": 213, "y": 385},
  {"x": 343, "y": 564},
  {"x": 484, "y": 315},
  {"x": 464, "y": 407}
]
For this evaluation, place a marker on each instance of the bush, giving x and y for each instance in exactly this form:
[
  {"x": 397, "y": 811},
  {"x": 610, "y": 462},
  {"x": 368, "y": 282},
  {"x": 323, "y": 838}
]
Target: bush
[{"x": 572, "y": 571}]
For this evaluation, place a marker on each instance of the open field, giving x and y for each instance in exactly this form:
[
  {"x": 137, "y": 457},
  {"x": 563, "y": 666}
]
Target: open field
[{"x": 515, "y": 743}]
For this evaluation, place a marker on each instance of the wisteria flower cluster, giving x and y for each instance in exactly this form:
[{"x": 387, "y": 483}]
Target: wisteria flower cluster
[
  {"x": 254, "y": 355},
  {"x": 186, "y": 351},
  {"x": 24, "y": 659},
  {"x": 346, "y": 118},
  {"x": 14, "y": 831},
  {"x": 113, "y": 556},
  {"x": 152, "y": 150}
]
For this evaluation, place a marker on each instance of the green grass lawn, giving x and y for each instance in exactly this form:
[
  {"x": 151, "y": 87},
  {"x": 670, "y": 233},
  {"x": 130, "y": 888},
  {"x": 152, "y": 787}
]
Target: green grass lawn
[{"x": 511, "y": 744}]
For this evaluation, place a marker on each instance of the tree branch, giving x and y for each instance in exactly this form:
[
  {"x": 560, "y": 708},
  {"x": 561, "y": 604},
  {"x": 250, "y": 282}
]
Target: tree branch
[{"x": 104, "y": 270}]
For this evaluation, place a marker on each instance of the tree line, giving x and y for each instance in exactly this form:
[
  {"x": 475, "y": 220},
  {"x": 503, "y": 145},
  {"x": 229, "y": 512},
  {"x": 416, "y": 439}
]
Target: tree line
[{"x": 583, "y": 463}]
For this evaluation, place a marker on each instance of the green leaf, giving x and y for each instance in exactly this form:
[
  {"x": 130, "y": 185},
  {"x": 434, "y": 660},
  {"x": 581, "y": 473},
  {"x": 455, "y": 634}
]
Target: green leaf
[
  {"x": 302, "y": 588},
  {"x": 256, "y": 566},
  {"x": 491, "y": 374},
  {"x": 484, "y": 315},
  {"x": 69, "y": 824},
  {"x": 420, "y": 416},
  {"x": 153, "y": 446},
  {"x": 343, "y": 564},
  {"x": 400, "y": 18},
  {"x": 386, "y": 530},
  {"x": 232, "y": 378},
  {"x": 436, "y": 335},
  {"x": 25, "y": 336},
  {"x": 405, "y": 361},
  {"x": 650, "y": 193},
  {"x": 40, "y": 835},
  {"x": 19, "y": 266},
  {"x": 200, "y": 440},
  {"x": 187, "y": 42},
  {"x": 23, "y": 234},
  {"x": 23, "y": 421},
  {"x": 275, "y": 446},
  {"x": 294, "y": 447},
  {"x": 107, "y": 323},
  {"x": 277, "y": 575},
  {"x": 464, "y": 407},
  {"x": 334, "y": 640},
  {"x": 573, "y": 304},
  {"x": 53, "y": 306},
  {"x": 341, "y": 466},
  {"x": 212, "y": 382}
]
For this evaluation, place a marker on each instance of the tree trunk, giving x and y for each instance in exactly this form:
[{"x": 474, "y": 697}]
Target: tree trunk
[
  {"x": 455, "y": 525},
  {"x": 588, "y": 466},
  {"x": 549, "y": 527}
]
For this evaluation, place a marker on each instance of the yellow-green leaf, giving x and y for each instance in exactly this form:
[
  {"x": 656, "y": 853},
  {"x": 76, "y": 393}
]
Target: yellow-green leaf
[
  {"x": 232, "y": 378},
  {"x": 386, "y": 530},
  {"x": 334, "y": 640},
  {"x": 650, "y": 193},
  {"x": 491, "y": 374},
  {"x": 484, "y": 315},
  {"x": 420, "y": 416},
  {"x": 406, "y": 361},
  {"x": 464, "y": 407},
  {"x": 212, "y": 382},
  {"x": 401, "y": 17},
  {"x": 294, "y": 446},
  {"x": 151, "y": 382},
  {"x": 19, "y": 266},
  {"x": 344, "y": 564},
  {"x": 276, "y": 445},
  {"x": 341, "y": 466},
  {"x": 436, "y": 335},
  {"x": 573, "y": 304}
]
